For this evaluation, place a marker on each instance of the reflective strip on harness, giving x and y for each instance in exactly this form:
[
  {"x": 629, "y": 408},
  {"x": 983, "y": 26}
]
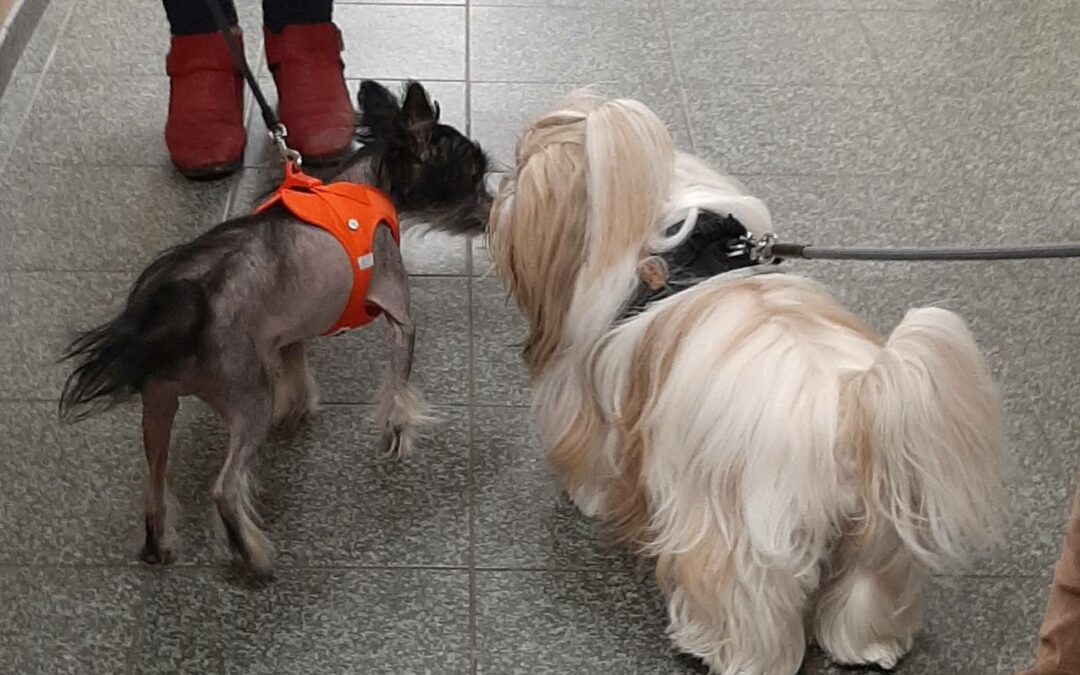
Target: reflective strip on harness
[{"x": 351, "y": 213}]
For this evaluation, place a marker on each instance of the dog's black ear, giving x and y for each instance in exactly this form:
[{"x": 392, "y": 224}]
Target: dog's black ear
[
  {"x": 419, "y": 117},
  {"x": 379, "y": 111}
]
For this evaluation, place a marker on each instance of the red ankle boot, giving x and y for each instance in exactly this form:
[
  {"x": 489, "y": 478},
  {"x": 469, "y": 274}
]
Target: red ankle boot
[
  {"x": 205, "y": 130},
  {"x": 313, "y": 101}
]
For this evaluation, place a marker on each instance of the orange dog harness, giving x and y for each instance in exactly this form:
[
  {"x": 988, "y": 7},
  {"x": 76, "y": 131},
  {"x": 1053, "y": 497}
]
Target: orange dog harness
[{"x": 351, "y": 213}]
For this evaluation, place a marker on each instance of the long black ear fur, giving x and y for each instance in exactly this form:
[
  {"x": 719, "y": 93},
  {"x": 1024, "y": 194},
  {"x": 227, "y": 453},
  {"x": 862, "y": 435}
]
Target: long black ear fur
[{"x": 379, "y": 113}]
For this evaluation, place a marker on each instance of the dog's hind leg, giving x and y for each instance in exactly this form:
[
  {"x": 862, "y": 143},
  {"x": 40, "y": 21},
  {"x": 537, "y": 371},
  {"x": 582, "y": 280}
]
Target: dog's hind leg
[
  {"x": 740, "y": 619},
  {"x": 401, "y": 409},
  {"x": 248, "y": 412},
  {"x": 296, "y": 396},
  {"x": 159, "y": 406},
  {"x": 870, "y": 605}
]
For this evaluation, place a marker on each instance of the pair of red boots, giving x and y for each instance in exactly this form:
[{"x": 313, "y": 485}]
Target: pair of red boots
[{"x": 205, "y": 129}]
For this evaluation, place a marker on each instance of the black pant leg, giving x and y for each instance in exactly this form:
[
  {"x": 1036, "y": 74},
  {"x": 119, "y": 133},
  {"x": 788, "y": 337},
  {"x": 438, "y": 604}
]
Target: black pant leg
[
  {"x": 192, "y": 17},
  {"x": 280, "y": 13}
]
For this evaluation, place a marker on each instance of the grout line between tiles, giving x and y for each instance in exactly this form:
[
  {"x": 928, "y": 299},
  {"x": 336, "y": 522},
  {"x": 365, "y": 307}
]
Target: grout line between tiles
[
  {"x": 468, "y": 77},
  {"x": 470, "y": 470}
]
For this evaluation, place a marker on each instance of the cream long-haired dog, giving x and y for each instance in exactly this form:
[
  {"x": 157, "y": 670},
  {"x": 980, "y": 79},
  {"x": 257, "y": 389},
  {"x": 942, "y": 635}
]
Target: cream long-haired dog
[{"x": 795, "y": 476}]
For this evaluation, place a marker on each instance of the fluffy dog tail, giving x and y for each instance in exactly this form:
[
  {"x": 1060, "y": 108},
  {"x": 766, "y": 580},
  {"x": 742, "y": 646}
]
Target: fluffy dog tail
[
  {"x": 161, "y": 326},
  {"x": 925, "y": 422}
]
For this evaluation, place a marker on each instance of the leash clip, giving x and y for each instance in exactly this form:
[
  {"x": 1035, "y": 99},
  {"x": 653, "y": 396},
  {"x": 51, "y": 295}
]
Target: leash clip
[
  {"x": 761, "y": 250},
  {"x": 278, "y": 135}
]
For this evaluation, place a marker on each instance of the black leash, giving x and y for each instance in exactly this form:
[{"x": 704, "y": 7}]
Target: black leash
[{"x": 274, "y": 126}]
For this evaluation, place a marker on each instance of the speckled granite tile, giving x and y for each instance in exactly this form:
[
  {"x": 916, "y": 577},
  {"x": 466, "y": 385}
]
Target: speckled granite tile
[
  {"x": 523, "y": 519},
  {"x": 82, "y": 218},
  {"x": 498, "y": 333},
  {"x": 320, "y": 621},
  {"x": 610, "y": 43},
  {"x": 67, "y": 621},
  {"x": 72, "y": 492}
]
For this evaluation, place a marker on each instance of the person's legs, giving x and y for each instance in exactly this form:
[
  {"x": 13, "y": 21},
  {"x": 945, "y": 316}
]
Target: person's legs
[
  {"x": 193, "y": 17},
  {"x": 205, "y": 128},
  {"x": 303, "y": 51},
  {"x": 280, "y": 13},
  {"x": 1058, "y": 652}
]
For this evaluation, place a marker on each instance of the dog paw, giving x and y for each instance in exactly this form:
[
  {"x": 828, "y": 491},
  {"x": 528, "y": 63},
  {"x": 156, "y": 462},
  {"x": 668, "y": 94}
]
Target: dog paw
[
  {"x": 153, "y": 556},
  {"x": 884, "y": 655},
  {"x": 590, "y": 503}
]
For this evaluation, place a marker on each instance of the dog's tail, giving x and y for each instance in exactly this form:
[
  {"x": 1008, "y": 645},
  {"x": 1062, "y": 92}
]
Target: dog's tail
[
  {"x": 161, "y": 326},
  {"x": 925, "y": 422}
]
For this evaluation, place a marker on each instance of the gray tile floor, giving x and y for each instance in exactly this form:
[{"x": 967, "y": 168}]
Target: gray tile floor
[{"x": 902, "y": 121}]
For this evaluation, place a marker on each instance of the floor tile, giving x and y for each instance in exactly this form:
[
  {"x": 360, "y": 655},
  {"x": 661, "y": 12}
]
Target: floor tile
[
  {"x": 1023, "y": 131},
  {"x": 530, "y": 622},
  {"x": 83, "y": 218},
  {"x": 1041, "y": 477},
  {"x": 40, "y": 314},
  {"x": 908, "y": 210},
  {"x": 71, "y": 621},
  {"x": 925, "y": 50},
  {"x": 498, "y": 334},
  {"x": 1062, "y": 223},
  {"x": 333, "y": 621},
  {"x": 49, "y": 27},
  {"x": 349, "y": 367},
  {"x": 326, "y": 496},
  {"x": 482, "y": 265},
  {"x": 105, "y": 36},
  {"x": 72, "y": 494},
  {"x": 768, "y": 47},
  {"x": 76, "y": 119},
  {"x": 613, "y": 43},
  {"x": 425, "y": 43},
  {"x": 799, "y": 130},
  {"x": 502, "y": 111},
  {"x": 14, "y": 103},
  {"x": 523, "y": 519}
]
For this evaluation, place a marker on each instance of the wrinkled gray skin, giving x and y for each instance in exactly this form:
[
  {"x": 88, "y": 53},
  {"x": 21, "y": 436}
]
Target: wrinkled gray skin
[{"x": 281, "y": 284}]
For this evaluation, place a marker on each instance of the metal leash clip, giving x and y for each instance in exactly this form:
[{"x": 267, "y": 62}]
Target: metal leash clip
[
  {"x": 761, "y": 250},
  {"x": 278, "y": 135}
]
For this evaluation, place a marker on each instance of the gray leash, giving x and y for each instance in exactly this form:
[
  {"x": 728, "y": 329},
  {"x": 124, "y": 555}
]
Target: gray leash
[{"x": 767, "y": 249}]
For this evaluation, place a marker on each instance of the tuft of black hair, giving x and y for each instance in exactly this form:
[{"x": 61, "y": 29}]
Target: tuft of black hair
[{"x": 160, "y": 327}]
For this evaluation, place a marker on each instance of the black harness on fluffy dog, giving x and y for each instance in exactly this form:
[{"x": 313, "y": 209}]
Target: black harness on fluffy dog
[{"x": 717, "y": 244}]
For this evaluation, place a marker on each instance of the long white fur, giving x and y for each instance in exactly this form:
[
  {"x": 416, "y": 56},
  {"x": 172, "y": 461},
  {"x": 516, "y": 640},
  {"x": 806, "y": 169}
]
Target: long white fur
[{"x": 751, "y": 464}]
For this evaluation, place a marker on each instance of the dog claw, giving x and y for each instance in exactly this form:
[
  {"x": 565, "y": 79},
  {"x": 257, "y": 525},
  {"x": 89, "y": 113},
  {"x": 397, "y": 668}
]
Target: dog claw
[{"x": 392, "y": 443}]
